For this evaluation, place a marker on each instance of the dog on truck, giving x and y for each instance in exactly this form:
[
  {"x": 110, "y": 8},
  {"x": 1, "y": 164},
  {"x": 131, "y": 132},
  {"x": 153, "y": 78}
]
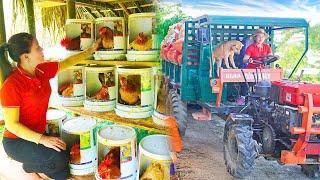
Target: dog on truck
[{"x": 226, "y": 52}]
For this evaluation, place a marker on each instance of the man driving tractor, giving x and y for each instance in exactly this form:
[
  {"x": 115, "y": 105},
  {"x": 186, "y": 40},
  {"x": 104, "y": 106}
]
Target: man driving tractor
[{"x": 257, "y": 49}]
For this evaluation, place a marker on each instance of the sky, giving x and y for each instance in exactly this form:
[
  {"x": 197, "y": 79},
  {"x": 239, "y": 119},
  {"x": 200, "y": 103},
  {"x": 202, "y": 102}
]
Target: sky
[{"x": 308, "y": 9}]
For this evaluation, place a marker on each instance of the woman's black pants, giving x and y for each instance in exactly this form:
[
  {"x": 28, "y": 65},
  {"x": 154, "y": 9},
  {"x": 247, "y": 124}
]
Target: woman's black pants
[{"x": 38, "y": 158}]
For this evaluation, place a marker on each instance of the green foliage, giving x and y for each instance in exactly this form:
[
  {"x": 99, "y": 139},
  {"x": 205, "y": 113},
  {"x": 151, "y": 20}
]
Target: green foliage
[
  {"x": 291, "y": 52},
  {"x": 290, "y": 56},
  {"x": 311, "y": 78},
  {"x": 314, "y": 38},
  {"x": 164, "y": 22}
]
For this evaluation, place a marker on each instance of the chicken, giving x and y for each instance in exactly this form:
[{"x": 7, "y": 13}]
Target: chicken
[
  {"x": 75, "y": 157},
  {"x": 141, "y": 43},
  {"x": 66, "y": 90},
  {"x": 103, "y": 93},
  {"x": 71, "y": 44},
  {"x": 156, "y": 171},
  {"x": 130, "y": 89},
  {"x": 106, "y": 35},
  {"x": 109, "y": 167}
]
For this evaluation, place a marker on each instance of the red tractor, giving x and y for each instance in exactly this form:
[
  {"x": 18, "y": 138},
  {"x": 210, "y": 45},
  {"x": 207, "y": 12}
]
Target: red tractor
[{"x": 280, "y": 121}]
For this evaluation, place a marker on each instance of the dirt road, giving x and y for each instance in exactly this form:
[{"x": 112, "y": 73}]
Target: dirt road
[{"x": 202, "y": 157}]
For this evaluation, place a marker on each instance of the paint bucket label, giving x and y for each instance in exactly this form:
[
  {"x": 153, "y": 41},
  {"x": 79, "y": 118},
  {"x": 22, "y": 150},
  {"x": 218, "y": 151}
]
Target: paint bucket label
[
  {"x": 129, "y": 90},
  {"x": 80, "y": 137},
  {"x": 80, "y": 33},
  {"x": 135, "y": 89},
  {"x": 149, "y": 168},
  {"x": 112, "y": 32},
  {"x": 119, "y": 42},
  {"x": 117, "y": 158},
  {"x": 86, "y": 43},
  {"x": 53, "y": 128},
  {"x": 70, "y": 83},
  {"x": 54, "y": 122},
  {"x": 146, "y": 90},
  {"x": 100, "y": 86},
  {"x": 78, "y": 89},
  {"x": 141, "y": 29},
  {"x": 154, "y": 157}
]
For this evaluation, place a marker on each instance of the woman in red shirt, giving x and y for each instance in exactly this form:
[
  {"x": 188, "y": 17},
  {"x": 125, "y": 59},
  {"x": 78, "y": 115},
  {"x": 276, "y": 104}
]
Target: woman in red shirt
[
  {"x": 257, "y": 49},
  {"x": 24, "y": 99}
]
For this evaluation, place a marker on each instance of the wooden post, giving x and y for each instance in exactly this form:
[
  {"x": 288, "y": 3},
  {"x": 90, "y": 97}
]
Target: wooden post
[
  {"x": 3, "y": 59},
  {"x": 30, "y": 17},
  {"x": 2, "y": 24},
  {"x": 71, "y": 9}
]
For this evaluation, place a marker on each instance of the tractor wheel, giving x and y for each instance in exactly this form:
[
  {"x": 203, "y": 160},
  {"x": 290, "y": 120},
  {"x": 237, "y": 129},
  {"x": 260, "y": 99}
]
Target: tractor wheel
[
  {"x": 311, "y": 170},
  {"x": 178, "y": 109},
  {"x": 238, "y": 149}
]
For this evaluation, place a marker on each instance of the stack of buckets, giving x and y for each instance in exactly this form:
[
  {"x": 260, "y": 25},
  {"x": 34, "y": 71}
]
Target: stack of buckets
[
  {"x": 129, "y": 90},
  {"x": 138, "y": 43},
  {"x": 81, "y": 85},
  {"x": 110, "y": 152}
]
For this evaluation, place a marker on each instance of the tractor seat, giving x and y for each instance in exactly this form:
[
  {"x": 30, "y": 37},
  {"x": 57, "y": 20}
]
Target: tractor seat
[{"x": 238, "y": 58}]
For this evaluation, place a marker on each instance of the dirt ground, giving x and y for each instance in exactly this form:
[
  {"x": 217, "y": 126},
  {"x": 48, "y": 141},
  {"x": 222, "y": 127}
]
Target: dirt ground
[{"x": 202, "y": 157}]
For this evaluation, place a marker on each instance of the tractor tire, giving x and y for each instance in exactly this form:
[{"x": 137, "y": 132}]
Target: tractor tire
[
  {"x": 311, "y": 170},
  {"x": 178, "y": 109},
  {"x": 239, "y": 149}
]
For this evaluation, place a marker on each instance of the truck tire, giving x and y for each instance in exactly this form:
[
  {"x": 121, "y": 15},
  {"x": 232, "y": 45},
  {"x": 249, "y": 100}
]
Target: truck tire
[
  {"x": 239, "y": 149},
  {"x": 178, "y": 109},
  {"x": 311, "y": 170}
]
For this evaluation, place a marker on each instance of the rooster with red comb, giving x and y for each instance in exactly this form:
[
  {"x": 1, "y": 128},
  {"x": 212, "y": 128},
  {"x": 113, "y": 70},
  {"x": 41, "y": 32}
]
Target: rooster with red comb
[{"x": 106, "y": 35}]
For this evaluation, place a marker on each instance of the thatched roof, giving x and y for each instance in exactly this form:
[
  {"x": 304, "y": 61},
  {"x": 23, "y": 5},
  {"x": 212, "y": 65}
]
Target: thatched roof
[
  {"x": 52, "y": 13},
  {"x": 91, "y": 9}
]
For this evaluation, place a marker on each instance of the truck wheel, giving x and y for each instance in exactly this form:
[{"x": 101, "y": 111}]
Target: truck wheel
[
  {"x": 178, "y": 109},
  {"x": 238, "y": 149},
  {"x": 311, "y": 170}
]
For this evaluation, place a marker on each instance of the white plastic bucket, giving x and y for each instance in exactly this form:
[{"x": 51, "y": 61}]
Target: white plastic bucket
[
  {"x": 154, "y": 152},
  {"x": 81, "y": 28},
  {"x": 113, "y": 46},
  {"x": 54, "y": 122},
  {"x": 142, "y": 37},
  {"x": 71, "y": 86},
  {"x": 135, "y": 91},
  {"x": 100, "y": 88},
  {"x": 117, "y": 153},
  {"x": 80, "y": 135}
]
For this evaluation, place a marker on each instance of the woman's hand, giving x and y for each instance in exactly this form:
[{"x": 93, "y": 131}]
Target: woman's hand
[
  {"x": 53, "y": 142},
  {"x": 96, "y": 45}
]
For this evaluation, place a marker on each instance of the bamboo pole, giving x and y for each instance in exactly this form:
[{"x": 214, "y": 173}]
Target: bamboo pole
[
  {"x": 71, "y": 9},
  {"x": 30, "y": 17},
  {"x": 138, "y": 6},
  {"x": 4, "y": 63},
  {"x": 124, "y": 8},
  {"x": 2, "y": 24}
]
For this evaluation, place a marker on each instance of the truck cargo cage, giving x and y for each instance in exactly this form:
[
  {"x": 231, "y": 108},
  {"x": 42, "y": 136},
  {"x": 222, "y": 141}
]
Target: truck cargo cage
[{"x": 204, "y": 34}]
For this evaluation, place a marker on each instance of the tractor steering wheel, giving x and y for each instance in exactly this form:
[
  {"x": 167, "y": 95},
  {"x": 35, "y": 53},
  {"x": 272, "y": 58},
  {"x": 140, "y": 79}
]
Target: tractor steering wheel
[{"x": 265, "y": 60}]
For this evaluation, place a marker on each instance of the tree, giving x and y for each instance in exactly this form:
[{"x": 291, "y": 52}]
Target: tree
[{"x": 291, "y": 53}]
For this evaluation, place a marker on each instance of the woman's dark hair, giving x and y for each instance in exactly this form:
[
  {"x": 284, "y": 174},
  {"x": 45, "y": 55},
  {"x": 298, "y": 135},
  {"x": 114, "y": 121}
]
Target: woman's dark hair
[{"x": 17, "y": 45}]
